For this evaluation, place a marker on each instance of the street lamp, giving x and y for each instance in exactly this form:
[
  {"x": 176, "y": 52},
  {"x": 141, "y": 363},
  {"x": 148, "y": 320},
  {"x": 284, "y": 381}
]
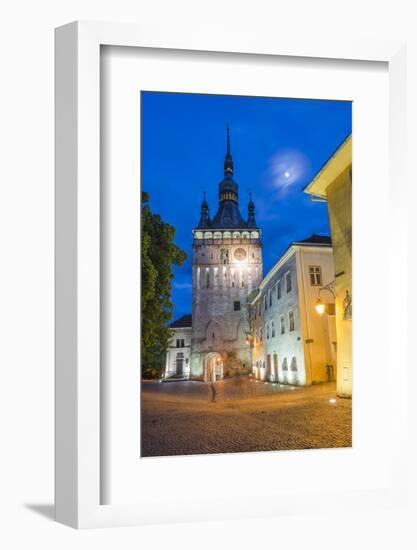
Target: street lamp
[
  {"x": 249, "y": 338},
  {"x": 322, "y": 307}
]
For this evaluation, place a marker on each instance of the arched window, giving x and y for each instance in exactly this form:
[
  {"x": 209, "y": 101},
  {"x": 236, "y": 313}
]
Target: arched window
[
  {"x": 254, "y": 235},
  {"x": 208, "y": 235},
  {"x": 217, "y": 235},
  {"x": 198, "y": 234},
  {"x": 293, "y": 364},
  {"x": 285, "y": 364},
  {"x": 267, "y": 330},
  {"x": 227, "y": 235},
  {"x": 245, "y": 235},
  {"x": 236, "y": 235},
  {"x": 272, "y": 329}
]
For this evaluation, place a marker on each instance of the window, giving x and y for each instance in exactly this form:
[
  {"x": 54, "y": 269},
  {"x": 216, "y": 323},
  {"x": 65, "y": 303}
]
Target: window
[
  {"x": 236, "y": 306},
  {"x": 180, "y": 343},
  {"x": 288, "y": 281},
  {"x": 224, "y": 256},
  {"x": 198, "y": 277},
  {"x": 290, "y": 321},
  {"x": 267, "y": 330},
  {"x": 285, "y": 364},
  {"x": 315, "y": 275},
  {"x": 278, "y": 290},
  {"x": 282, "y": 324},
  {"x": 265, "y": 302},
  {"x": 207, "y": 277},
  {"x": 272, "y": 329},
  {"x": 293, "y": 366},
  {"x": 270, "y": 298},
  {"x": 260, "y": 335}
]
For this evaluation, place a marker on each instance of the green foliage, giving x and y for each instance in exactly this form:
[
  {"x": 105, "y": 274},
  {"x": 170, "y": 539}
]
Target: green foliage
[{"x": 159, "y": 254}]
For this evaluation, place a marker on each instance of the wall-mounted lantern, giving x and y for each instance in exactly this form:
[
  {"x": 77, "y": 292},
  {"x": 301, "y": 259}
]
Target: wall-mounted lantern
[{"x": 322, "y": 307}]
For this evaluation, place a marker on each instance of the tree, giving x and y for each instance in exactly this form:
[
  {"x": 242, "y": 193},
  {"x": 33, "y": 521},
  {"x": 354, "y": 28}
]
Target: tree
[{"x": 159, "y": 254}]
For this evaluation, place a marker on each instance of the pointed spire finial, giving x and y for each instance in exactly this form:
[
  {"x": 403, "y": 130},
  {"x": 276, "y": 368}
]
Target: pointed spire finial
[{"x": 228, "y": 162}]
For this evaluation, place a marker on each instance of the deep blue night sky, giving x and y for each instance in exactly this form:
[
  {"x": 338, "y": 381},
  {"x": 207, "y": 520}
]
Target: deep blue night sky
[{"x": 278, "y": 145}]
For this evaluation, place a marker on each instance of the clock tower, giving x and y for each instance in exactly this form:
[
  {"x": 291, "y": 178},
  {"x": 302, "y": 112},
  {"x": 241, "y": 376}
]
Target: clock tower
[{"x": 227, "y": 266}]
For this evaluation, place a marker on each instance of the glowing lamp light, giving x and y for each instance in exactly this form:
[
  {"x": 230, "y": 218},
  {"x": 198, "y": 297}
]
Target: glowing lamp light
[
  {"x": 320, "y": 307},
  {"x": 332, "y": 401}
]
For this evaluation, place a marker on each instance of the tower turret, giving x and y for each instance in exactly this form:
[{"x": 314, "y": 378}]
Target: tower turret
[
  {"x": 204, "y": 222},
  {"x": 251, "y": 213}
]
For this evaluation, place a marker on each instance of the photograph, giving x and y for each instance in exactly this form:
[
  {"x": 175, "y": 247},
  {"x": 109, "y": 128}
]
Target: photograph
[{"x": 246, "y": 274}]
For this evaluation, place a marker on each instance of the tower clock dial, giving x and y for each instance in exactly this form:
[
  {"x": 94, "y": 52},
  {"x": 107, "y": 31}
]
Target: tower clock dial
[{"x": 240, "y": 254}]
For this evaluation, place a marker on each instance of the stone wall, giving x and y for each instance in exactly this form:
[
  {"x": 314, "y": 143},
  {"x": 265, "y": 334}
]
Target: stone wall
[{"x": 220, "y": 282}]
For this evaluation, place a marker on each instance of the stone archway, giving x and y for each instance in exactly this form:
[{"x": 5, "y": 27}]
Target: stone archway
[{"x": 213, "y": 367}]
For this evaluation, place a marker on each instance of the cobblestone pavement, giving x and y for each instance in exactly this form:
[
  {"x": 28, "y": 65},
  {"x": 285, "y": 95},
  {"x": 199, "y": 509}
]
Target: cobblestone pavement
[{"x": 178, "y": 418}]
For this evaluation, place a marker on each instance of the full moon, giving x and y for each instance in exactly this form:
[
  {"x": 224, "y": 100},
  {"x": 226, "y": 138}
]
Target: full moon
[{"x": 287, "y": 174}]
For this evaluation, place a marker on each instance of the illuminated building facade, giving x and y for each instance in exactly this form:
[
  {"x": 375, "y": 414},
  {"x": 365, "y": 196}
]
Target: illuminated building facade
[
  {"x": 333, "y": 184},
  {"x": 177, "y": 364},
  {"x": 227, "y": 266},
  {"x": 291, "y": 342}
]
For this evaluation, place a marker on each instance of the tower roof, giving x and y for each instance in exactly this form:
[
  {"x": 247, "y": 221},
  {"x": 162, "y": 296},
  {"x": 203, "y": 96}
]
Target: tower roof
[
  {"x": 183, "y": 322},
  {"x": 228, "y": 215}
]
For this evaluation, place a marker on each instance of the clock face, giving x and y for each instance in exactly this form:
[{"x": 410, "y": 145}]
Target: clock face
[{"x": 240, "y": 254}]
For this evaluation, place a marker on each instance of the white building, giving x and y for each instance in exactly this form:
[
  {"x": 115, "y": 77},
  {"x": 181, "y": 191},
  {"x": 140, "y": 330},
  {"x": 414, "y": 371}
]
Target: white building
[
  {"x": 178, "y": 354},
  {"x": 291, "y": 342}
]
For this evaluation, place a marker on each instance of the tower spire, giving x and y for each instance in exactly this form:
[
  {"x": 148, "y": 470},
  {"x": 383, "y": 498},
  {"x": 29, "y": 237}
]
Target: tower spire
[
  {"x": 251, "y": 211},
  {"x": 228, "y": 161},
  {"x": 205, "y": 215}
]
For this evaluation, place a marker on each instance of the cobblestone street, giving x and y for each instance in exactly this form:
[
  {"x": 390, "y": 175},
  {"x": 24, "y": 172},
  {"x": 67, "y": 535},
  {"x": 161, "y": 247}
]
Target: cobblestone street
[{"x": 178, "y": 418}]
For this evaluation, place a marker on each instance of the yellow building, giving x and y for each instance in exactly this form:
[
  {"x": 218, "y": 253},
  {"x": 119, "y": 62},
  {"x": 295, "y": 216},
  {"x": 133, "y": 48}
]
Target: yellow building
[{"x": 333, "y": 184}]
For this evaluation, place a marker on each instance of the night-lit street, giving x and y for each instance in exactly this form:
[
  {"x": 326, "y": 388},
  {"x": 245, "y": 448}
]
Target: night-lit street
[{"x": 178, "y": 418}]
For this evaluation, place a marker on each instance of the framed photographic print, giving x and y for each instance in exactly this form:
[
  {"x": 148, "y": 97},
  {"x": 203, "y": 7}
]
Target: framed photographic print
[{"x": 221, "y": 212}]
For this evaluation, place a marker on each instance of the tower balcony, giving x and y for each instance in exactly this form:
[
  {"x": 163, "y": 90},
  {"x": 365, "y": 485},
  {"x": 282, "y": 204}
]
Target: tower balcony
[{"x": 227, "y": 241}]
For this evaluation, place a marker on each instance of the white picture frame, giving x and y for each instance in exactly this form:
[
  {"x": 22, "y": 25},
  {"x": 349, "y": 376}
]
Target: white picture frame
[{"x": 78, "y": 406}]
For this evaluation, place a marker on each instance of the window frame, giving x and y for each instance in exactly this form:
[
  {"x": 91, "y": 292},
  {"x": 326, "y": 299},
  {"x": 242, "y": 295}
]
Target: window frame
[
  {"x": 313, "y": 274},
  {"x": 291, "y": 311},
  {"x": 288, "y": 288}
]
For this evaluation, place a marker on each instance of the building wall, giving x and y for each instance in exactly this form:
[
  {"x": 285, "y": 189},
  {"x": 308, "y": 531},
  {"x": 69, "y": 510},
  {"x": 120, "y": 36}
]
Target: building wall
[
  {"x": 300, "y": 356},
  {"x": 339, "y": 201},
  {"x": 318, "y": 331},
  {"x": 283, "y": 354},
  {"x": 220, "y": 279},
  {"x": 173, "y": 352}
]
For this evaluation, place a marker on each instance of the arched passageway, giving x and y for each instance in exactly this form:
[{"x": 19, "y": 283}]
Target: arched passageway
[{"x": 213, "y": 367}]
